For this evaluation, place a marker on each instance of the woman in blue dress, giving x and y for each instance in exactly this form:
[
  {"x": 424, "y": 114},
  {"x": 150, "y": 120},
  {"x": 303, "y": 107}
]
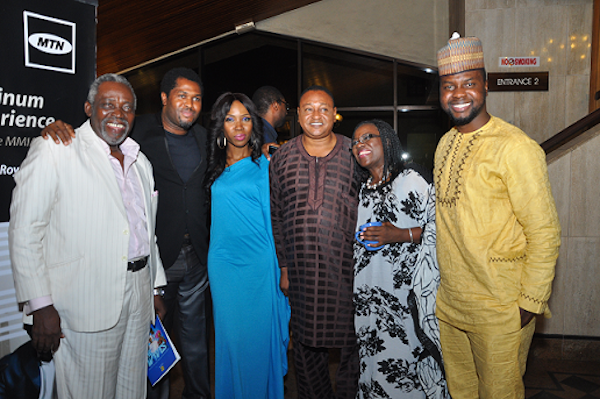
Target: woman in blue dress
[{"x": 251, "y": 314}]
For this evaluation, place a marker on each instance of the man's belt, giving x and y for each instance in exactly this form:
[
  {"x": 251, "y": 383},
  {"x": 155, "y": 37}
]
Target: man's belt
[{"x": 137, "y": 264}]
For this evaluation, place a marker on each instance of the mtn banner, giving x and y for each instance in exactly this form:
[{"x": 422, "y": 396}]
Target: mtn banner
[{"x": 47, "y": 62}]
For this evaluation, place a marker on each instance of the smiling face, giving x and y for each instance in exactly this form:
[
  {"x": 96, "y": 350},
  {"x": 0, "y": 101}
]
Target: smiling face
[
  {"x": 237, "y": 125},
  {"x": 181, "y": 106},
  {"x": 462, "y": 97},
  {"x": 316, "y": 114},
  {"x": 368, "y": 149},
  {"x": 113, "y": 112}
]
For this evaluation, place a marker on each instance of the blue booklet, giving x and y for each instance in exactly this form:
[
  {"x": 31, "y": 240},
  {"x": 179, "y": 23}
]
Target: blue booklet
[{"x": 162, "y": 355}]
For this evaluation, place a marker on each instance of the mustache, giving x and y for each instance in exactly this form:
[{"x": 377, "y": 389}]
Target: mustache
[{"x": 114, "y": 119}]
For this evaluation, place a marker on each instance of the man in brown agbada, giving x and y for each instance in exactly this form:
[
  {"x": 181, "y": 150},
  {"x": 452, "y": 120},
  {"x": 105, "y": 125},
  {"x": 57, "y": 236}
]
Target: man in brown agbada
[{"x": 313, "y": 207}]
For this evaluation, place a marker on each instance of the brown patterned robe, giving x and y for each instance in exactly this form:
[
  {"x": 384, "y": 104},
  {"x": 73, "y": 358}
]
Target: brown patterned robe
[{"x": 314, "y": 201}]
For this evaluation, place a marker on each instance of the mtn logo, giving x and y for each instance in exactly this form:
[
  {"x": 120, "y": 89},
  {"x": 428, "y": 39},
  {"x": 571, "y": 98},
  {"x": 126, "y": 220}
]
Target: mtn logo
[{"x": 49, "y": 43}]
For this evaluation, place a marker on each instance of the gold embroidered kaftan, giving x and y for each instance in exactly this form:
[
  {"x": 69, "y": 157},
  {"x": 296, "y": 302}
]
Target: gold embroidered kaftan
[{"x": 497, "y": 228}]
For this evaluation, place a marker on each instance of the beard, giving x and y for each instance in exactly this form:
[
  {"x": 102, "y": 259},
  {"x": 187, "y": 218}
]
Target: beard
[
  {"x": 279, "y": 122},
  {"x": 185, "y": 125},
  {"x": 110, "y": 139},
  {"x": 466, "y": 119}
]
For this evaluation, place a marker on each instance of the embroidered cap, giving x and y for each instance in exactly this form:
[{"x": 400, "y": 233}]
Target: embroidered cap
[{"x": 459, "y": 55}]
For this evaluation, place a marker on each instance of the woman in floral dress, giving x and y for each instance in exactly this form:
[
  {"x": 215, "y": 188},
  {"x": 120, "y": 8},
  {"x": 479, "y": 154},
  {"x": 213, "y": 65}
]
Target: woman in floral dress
[{"x": 395, "y": 286}]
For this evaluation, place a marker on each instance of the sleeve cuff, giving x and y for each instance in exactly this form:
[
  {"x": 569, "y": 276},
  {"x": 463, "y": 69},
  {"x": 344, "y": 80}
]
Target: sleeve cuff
[
  {"x": 37, "y": 303},
  {"x": 532, "y": 304}
]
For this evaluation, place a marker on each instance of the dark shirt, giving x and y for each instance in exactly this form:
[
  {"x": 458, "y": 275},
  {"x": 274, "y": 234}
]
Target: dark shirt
[
  {"x": 182, "y": 206},
  {"x": 185, "y": 153},
  {"x": 269, "y": 132},
  {"x": 314, "y": 203}
]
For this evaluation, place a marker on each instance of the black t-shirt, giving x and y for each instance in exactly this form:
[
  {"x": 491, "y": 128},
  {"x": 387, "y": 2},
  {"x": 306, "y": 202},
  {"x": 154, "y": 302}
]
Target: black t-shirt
[{"x": 185, "y": 153}]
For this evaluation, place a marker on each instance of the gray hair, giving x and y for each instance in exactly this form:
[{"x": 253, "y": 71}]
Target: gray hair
[{"x": 109, "y": 77}]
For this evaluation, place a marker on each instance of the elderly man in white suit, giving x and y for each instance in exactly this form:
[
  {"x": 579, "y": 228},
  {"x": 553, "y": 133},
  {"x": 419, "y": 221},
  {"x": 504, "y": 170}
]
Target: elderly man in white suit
[{"x": 83, "y": 249}]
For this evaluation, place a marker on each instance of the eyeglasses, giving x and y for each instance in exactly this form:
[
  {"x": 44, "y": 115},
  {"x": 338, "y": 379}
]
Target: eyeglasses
[
  {"x": 285, "y": 103},
  {"x": 363, "y": 139}
]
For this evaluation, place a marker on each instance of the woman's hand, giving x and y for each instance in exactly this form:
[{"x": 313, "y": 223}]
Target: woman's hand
[{"x": 387, "y": 233}]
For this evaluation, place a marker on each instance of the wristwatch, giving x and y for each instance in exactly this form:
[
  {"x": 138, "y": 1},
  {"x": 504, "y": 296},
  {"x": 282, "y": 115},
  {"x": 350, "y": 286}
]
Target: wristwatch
[{"x": 159, "y": 291}]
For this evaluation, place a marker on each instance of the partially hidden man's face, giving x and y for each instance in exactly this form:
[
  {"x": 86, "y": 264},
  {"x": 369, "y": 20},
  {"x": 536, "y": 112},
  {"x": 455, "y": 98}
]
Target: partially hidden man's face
[
  {"x": 183, "y": 104},
  {"x": 113, "y": 112},
  {"x": 462, "y": 97},
  {"x": 281, "y": 113},
  {"x": 316, "y": 114}
]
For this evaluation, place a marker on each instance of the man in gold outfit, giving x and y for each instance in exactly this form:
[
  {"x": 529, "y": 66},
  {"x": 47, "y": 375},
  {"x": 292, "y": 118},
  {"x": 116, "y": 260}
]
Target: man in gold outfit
[{"x": 497, "y": 234}]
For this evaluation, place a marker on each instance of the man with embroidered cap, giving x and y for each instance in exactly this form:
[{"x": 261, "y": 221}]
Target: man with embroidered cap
[{"x": 497, "y": 234}]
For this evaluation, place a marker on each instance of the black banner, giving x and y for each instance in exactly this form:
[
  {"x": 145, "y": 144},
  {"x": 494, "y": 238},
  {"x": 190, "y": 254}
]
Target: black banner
[{"x": 47, "y": 62}]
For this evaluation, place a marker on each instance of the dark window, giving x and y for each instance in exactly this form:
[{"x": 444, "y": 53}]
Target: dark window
[{"x": 364, "y": 85}]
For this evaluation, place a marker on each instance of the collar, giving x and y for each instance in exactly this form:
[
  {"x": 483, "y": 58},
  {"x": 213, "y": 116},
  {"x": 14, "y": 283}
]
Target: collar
[{"x": 129, "y": 147}]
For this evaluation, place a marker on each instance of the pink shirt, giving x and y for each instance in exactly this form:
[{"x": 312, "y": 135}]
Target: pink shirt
[{"x": 132, "y": 194}]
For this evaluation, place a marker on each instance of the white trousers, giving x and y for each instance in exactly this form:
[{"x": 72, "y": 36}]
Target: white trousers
[{"x": 110, "y": 364}]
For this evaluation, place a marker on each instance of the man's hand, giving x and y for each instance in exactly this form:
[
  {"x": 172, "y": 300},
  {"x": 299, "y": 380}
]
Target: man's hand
[
  {"x": 59, "y": 131},
  {"x": 265, "y": 149},
  {"x": 46, "y": 332},
  {"x": 284, "y": 282},
  {"x": 160, "y": 307},
  {"x": 526, "y": 317}
]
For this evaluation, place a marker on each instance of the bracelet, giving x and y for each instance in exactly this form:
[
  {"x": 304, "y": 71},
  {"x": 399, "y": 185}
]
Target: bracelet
[
  {"x": 159, "y": 291},
  {"x": 411, "y": 236}
]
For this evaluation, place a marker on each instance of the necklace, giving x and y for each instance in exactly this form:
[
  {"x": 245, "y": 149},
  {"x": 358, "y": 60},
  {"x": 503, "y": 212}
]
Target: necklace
[{"x": 372, "y": 186}]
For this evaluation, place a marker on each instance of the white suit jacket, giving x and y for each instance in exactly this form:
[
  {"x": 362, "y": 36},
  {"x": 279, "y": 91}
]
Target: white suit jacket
[{"x": 69, "y": 233}]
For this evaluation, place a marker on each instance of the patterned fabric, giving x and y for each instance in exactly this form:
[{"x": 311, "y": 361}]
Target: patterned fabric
[
  {"x": 459, "y": 55},
  {"x": 312, "y": 373},
  {"x": 497, "y": 228},
  {"x": 313, "y": 208},
  {"x": 394, "y": 294}
]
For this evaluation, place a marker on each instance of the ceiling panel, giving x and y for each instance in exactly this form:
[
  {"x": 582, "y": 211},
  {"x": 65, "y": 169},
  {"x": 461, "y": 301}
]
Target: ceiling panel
[{"x": 136, "y": 31}]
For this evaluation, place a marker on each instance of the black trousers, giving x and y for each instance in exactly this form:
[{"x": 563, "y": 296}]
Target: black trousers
[{"x": 186, "y": 298}]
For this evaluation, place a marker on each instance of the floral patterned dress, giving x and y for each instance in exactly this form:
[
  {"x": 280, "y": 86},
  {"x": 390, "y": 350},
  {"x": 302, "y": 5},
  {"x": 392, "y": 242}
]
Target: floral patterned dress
[{"x": 394, "y": 295}]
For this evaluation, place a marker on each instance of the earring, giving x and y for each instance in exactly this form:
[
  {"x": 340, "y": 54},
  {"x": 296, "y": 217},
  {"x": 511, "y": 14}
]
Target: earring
[{"x": 221, "y": 143}]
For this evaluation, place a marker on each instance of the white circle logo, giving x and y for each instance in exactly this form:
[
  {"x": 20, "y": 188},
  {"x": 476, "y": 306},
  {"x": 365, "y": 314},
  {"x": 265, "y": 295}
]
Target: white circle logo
[{"x": 49, "y": 43}]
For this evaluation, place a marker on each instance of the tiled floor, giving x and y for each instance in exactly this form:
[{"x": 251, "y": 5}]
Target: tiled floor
[
  {"x": 567, "y": 379},
  {"x": 549, "y": 375},
  {"x": 546, "y": 378}
]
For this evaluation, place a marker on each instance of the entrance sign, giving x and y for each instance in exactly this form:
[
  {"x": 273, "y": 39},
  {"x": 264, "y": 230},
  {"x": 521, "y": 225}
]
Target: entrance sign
[{"x": 518, "y": 81}]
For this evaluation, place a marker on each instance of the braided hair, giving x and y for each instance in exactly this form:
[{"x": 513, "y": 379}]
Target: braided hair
[{"x": 392, "y": 151}]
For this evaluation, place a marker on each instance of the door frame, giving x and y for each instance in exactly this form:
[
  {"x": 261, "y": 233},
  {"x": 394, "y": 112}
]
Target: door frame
[{"x": 595, "y": 70}]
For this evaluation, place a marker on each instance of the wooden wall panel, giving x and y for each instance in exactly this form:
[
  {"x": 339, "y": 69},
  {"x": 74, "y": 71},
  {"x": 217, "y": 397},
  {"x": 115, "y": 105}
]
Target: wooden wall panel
[
  {"x": 136, "y": 31},
  {"x": 456, "y": 21},
  {"x": 595, "y": 72}
]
